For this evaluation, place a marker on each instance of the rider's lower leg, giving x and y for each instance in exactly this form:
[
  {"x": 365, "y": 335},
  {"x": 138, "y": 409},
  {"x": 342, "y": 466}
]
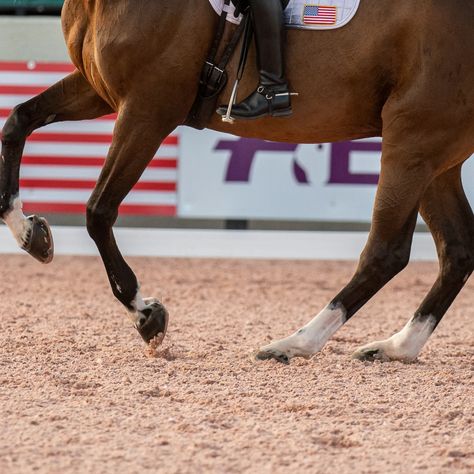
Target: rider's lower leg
[{"x": 272, "y": 96}]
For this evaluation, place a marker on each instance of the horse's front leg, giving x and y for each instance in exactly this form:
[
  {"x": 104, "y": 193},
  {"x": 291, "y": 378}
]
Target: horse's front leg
[
  {"x": 402, "y": 183},
  {"x": 136, "y": 139},
  {"x": 70, "y": 99}
]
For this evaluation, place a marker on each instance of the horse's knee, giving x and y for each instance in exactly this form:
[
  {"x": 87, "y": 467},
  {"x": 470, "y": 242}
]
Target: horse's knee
[
  {"x": 99, "y": 219},
  {"x": 16, "y": 128}
]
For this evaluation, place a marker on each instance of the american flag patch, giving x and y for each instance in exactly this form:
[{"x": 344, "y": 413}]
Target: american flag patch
[{"x": 319, "y": 15}]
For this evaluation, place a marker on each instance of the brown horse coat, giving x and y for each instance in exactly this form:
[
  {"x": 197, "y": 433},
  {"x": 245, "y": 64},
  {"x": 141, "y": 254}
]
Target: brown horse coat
[{"x": 402, "y": 70}]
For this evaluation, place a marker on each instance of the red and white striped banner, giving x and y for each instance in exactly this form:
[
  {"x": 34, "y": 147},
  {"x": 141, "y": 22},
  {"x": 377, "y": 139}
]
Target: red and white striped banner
[{"x": 62, "y": 162}]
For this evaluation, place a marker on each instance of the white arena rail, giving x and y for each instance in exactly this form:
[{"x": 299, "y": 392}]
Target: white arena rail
[{"x": 298, "y": 245}]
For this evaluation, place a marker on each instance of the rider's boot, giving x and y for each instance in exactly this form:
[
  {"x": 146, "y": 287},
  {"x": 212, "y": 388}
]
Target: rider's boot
[{"x": 272, "y": 96}]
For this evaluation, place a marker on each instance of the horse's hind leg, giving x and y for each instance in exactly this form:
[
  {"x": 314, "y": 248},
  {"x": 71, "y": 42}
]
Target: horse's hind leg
[
  {"x": 404, "y": 177},
  {"x": 137, "y": 136},
  {"x": 451, "y": 221},
  {"x": 70, "y": 99}
]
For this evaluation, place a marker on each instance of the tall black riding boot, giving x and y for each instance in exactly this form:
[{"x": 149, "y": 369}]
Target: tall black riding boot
[{"x": 272, "y": 96}]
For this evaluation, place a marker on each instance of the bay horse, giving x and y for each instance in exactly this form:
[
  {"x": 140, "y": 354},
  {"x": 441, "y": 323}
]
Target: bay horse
[{"x": 402, "y": 70}]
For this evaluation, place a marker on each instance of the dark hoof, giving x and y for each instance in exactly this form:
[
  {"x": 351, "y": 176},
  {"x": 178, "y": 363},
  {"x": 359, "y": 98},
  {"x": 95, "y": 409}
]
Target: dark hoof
[
  {"x": 39, "y": 241},
  {"x": 369, "y": 355},
  {"x": 153, "y": 320},
  {"x": 278, "y": 356}
]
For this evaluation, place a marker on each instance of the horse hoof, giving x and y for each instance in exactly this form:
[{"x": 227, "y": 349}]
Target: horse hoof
[
  {"x": 273, "y": 354},
  {"x": 39, "y": 241},
  {"x": 370, "y": 355},
  {"x": 152, "y": 321}
]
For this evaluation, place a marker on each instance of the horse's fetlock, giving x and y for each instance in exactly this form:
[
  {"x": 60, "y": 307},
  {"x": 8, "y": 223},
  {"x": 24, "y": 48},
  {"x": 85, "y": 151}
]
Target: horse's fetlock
[{"x": 125, "y": 296}]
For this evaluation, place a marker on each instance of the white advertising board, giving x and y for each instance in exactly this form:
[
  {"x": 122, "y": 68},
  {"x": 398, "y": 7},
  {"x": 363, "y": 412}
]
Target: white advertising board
[{"x": 222, "y": 176}]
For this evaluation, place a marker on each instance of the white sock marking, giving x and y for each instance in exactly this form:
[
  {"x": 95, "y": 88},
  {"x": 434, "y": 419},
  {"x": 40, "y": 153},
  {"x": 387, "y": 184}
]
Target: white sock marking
[
  {"x": 405, "y": 345},
  {"x": 17, "y": 222},
  {"x": 138, "y": 305},
  {"x": 320, "y": 329},
  {"x": 410, "y": 340},
  {"x": 311, "y": 338},
  {"x": 138, "y": 302}
]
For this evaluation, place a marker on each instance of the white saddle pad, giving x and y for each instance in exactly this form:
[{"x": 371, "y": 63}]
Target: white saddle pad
[{"x": 308, "y": 14}]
